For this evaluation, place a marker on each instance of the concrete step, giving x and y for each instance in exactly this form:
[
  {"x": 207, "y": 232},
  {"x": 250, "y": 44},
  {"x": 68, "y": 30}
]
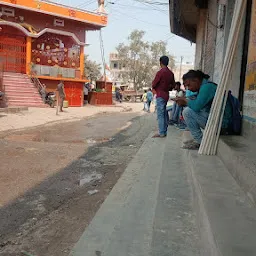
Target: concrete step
[
  {"x": 18, "y": 83},
  {"x": 25, "y": 77},
  {"x": 226, "y": 216},
  {"x": 27, "y": 104},
  {"x": 171, "y": 201},
  {"x": 149, "y": 211},
  {"x": 21, "y": 89},
  {"x": 10, "y": 74},
  {"x": 16, "y": 79},
  {"x": 21, "y": 92},
  {"x": 238, "y": 155},
  {"x": 175, "y": 230},
  {"x": 24, "y": 98}
]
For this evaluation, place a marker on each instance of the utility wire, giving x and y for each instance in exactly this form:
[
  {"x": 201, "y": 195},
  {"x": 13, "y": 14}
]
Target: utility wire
[
  {"x": 152, "y": 7},
  {"x": 132, "y": 17},
  {"x": 147, "y": 8},
  {"x": 152, "y": 3},
  {"x": 86, "y": 4}
]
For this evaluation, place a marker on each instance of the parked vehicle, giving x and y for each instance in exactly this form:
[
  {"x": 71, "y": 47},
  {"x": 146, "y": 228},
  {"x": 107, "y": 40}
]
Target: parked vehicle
[{"x": 50, "y": 99}]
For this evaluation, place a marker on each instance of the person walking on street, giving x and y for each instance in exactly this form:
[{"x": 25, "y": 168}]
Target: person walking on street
[
  {"x": 62, "y": 95},
  {"x": 162, "y": 84},
  {"x": 149, "y": 98},
  {"x": 144, "y": 100}
]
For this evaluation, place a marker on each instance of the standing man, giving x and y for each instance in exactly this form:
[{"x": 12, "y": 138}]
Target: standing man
[
  {"x": 162, "y": 84},
  {"x": 62, "y": 95}
]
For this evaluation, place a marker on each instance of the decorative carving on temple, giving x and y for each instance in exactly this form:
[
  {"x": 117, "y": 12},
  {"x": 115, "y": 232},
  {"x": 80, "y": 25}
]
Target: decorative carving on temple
[
  {"x": 72, "y": 13},
  {"x": 56, "y": 50}
]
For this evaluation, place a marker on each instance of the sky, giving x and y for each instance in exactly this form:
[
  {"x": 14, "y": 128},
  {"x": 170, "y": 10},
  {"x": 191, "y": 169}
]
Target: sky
[{"x": 127, "y": 15}]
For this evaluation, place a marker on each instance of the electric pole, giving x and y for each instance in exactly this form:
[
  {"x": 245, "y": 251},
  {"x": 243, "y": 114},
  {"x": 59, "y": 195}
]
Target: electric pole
[{"x": 181, "y": 60}]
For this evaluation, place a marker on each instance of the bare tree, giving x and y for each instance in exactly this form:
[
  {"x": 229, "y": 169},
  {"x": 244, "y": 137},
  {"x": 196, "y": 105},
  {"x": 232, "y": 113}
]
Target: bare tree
[
  {"x": 92, "y": 69},
  {"x": 140, "y": 58}
]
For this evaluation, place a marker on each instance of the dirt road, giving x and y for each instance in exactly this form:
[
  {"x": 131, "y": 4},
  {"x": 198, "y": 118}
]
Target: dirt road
[{"x": 54, "y": 178}]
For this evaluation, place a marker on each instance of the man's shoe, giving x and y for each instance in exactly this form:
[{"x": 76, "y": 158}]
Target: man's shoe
[
  {"x": 182, "y": 127},
  {"x": 191, "y": 146},
  {"x": 171, "y": 122},
  {"x": 189, "y": 142},
  {"x": 159, "y": 136}
]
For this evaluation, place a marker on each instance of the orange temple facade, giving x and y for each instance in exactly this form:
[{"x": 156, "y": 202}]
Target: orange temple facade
[{"x": 47, "y": 40}]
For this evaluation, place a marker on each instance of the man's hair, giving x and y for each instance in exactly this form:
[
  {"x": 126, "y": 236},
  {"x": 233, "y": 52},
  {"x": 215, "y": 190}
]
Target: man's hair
[
  {"x": 195, "y": 74},
  {"x": 178, "y": 83},
  {"x": 164, "y": 60}
]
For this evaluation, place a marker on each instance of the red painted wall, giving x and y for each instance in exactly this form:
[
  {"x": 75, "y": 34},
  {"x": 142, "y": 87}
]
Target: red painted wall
[{"x": 73, "y": 90}]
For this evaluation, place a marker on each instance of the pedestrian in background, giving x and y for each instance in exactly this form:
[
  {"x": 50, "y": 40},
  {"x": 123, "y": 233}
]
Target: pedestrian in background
[
  {"x": 149, "y": 98},
  {"x": 144, "y": 100},
  {"x": 62, "y": 95}
]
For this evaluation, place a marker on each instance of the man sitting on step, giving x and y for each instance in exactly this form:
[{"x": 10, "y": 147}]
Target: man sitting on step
[{"x": 197, "y": 110}]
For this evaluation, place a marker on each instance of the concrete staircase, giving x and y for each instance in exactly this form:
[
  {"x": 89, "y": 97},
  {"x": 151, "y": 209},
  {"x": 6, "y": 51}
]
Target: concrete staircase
[
  {"x": 171, "y": 201},
  {"x": 20, "y": 91}
]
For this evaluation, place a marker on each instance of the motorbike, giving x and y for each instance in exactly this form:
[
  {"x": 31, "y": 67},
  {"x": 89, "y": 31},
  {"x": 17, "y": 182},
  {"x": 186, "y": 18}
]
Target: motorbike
[{"x": 50, "y": 99}]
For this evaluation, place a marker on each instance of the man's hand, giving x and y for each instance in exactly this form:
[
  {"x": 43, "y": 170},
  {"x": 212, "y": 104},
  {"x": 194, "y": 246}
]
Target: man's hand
[{"x": 181, "y": 101}]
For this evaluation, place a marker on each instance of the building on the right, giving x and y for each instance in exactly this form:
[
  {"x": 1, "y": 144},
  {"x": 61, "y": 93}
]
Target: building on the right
[{"x": 207, "y": 23}]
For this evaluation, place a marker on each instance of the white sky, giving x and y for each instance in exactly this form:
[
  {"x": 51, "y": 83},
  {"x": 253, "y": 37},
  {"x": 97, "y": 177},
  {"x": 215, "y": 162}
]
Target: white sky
[{"x": 124, "y": 17}]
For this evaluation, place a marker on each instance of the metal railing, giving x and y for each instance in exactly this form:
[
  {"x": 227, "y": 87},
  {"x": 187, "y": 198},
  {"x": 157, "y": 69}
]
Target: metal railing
[
  {"x": 36, "y": 82},
  {"x": 2, "y": 87},
  {"x": 3, "y": 98}
]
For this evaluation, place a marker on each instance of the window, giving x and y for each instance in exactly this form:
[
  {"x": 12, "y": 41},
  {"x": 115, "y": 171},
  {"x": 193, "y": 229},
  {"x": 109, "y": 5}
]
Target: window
[
  {"x": 8, "y": 12},
  {"x": 115, "y": 65},
  {"x": 58, "y": 23}
]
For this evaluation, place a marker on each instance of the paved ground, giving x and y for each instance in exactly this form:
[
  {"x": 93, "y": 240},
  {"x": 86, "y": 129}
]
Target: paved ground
[
  {"x": 150, "y": 211},
  {"x": 47, "y": 174},
  {"x": 40, "y": 116}
]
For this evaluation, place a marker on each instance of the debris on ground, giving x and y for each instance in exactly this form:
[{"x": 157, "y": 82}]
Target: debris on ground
[
  {"x": 88, "y": 178},
  {"x": 92, "y": 192},
  {"x": 126, "y": 109}
]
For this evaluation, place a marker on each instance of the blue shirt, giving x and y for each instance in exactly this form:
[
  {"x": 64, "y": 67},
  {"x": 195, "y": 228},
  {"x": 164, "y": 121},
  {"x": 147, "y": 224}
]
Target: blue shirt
[{"x": 149, "y": 96}]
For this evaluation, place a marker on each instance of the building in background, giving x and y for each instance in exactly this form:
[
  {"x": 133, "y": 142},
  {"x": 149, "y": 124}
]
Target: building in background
[
  {"x": 117, "y": 70},
  {"x": 46, "y": 40}
]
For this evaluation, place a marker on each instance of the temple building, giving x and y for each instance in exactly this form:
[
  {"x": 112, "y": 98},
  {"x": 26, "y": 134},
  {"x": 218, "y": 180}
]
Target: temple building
[{"x": 46, "y": 41}]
